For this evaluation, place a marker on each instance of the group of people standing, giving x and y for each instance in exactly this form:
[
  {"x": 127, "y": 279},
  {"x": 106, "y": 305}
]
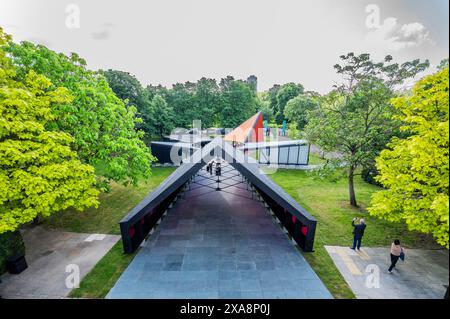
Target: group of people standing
[
  {"x": 397, "y": 251},
  {"x": 214, "y": 167}
]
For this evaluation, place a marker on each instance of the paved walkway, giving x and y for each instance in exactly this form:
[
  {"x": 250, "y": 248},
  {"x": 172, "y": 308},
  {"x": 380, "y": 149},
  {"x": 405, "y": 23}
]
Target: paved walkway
[
  {"x": 48, "y": 253},
  {"x": 218, "y": 244},
  {"x": 421, "y": 276}
]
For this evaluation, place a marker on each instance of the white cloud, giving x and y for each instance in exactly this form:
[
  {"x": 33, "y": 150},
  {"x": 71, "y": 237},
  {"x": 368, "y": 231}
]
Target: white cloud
[{"x": 395, "y": 36}]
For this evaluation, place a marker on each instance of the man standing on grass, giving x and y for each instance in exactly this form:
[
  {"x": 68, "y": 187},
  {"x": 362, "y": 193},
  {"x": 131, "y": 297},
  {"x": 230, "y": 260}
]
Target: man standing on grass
[{"x": 358, "y": 233}]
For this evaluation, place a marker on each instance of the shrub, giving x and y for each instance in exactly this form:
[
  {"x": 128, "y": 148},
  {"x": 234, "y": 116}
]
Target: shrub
[
  {"x": 10, "y": 243},
  {"x": 368, "y": 174}
]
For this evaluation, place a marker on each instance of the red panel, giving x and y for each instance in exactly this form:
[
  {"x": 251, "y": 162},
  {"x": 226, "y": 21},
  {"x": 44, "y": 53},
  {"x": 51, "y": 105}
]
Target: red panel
[
  {"x": 259, "y": 129},
  {"x": 304, "y": 230},
  {"x": 131, "y": 232},
  {"x": 294, "y": 219},
  {"x": 249, "y": 131}
]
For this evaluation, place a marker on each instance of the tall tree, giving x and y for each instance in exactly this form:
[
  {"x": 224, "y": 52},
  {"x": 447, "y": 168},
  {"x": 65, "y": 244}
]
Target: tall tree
[
  {"x": 40, "y": 173},
  {"x": 125, "y": 86},
  {"x": 263, "y": 101},
  {"x": 285, "y": 93},
  {"x": 297, "y": 108},
  {"x": 238, "y": 103},
  {"x": 163, "y": 115},
  {"x": 272, "y": 97},
  {"x": 103, "y": 128},
  {"x": 415, "y": 170},
  {"x": 356, "y": 119},
  {"x": 206, "y": 101},
  {"x": 181, "y": 99}
]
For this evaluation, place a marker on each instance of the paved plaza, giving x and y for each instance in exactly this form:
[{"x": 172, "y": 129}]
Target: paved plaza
[
  {"x": 48, "y": 253},
  {"x": 422, "y": 275},
  {"x": 219, "y": 244}
]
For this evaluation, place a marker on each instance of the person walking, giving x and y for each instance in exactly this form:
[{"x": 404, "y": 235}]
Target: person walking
[
  {"x": 358, "y": 233},
  {"x": 396, "y": 252},
  {"x": 211, "y": 167}
]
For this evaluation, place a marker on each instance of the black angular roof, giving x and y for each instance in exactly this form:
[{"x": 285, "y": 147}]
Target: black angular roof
[{"x": 246, "y": 165}]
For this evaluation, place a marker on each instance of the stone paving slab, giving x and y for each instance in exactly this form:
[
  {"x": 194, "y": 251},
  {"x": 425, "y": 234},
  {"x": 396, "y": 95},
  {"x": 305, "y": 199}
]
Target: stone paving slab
[
  {"x": 218, "y": 244},
  {"x": 422, "y": 275},
  {"x": 48, "y": 253}
]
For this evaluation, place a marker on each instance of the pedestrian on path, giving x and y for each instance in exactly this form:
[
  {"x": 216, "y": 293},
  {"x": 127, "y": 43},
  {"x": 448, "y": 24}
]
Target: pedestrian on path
[
  {"x": 396, "y": 253},
  {"x": 358, "y": 233},
  {"x": 211, "y": 167}
]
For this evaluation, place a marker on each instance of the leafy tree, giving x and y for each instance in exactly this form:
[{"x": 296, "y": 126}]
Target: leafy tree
[
  {"x": 162, "y": 113},
  {"x": 40, "y": 173},
  {"x": 297, "y": 108},
  {"x": 272, "y": 97},
  {"x": 294, "y": 132},
  {"x": 206, "y": 101},
  {"x": 285, "y": 93},
  {"x": 443, "y": 64},
  {"x": 125, "y": 86},
  {"x": 238, "y": 101},
  {"x": 181, "y": 99},
  {"x": 263, "y": 102},
  {"x": 356, "y": 119},
  {"x": 415, "y": 170},
  {"x": 103, "y": 128}
]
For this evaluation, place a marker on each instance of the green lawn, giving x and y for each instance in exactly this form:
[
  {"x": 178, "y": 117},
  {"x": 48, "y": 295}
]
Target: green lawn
[
  {"x": 328, "y": 203},
  {"x": 315, "y": 159},
  {"x": 113, "y": 206},
  {"x": 104, "y": 219},
  {"x": 99, "y": 281}
]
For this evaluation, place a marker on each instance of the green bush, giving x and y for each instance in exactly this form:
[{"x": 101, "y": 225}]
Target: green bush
[
  {"x": 368, "y": 174},
  {"x": 10, "y": 243}
]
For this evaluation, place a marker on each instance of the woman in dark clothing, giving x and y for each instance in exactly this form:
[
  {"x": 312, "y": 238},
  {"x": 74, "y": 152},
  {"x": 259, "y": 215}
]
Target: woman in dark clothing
[{"x": 396, "y": 251}]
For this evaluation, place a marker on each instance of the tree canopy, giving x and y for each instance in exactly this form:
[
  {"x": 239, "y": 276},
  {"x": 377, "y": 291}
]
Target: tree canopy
[
  {"x": 238, "y": 103},
  {"x": 297, "y": 109},
  {"x": 226, "y": 104},
  {"x": 40, "y": 172},
  {"x": 285, "y": 93},
  {"x": 162, "y": 115},
  {"x": 102, "y": 126},
  {"x": 415, "y": 170},
  {"x": 356, "y": 119}
]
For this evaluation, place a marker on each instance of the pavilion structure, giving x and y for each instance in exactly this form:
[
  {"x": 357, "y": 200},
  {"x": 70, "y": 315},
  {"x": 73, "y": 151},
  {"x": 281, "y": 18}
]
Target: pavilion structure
[
  {"x": 295, "y": 220},
  {"x": 250, "y": 131}
]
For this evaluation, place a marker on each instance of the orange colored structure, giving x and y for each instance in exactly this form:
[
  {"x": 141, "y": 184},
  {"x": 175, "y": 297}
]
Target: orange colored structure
[{"x": 249, "y": 131}]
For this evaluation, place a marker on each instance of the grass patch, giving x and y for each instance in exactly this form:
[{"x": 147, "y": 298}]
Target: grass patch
[
  {"x": 328, "y": 203},
  {"x": 114, "y": 205},
  {"x": 315, "y": 159},
  {"x": 99, "y": 281}
]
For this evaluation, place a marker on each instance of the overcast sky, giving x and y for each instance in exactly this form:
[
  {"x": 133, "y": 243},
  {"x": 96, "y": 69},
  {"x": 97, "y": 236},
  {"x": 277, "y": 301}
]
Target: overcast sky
[{"x": 279, "y": 41}]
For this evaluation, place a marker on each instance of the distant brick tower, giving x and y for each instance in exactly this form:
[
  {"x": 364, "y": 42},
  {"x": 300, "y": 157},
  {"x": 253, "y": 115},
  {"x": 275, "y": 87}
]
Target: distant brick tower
[{"x": 253, "y": 82}]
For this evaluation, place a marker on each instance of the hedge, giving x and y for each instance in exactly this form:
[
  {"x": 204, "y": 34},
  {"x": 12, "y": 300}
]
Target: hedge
[{"x": 10, "y": 243}]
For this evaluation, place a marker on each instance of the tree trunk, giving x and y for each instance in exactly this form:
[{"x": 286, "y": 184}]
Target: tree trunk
[{"x": 351, "y": 187}]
